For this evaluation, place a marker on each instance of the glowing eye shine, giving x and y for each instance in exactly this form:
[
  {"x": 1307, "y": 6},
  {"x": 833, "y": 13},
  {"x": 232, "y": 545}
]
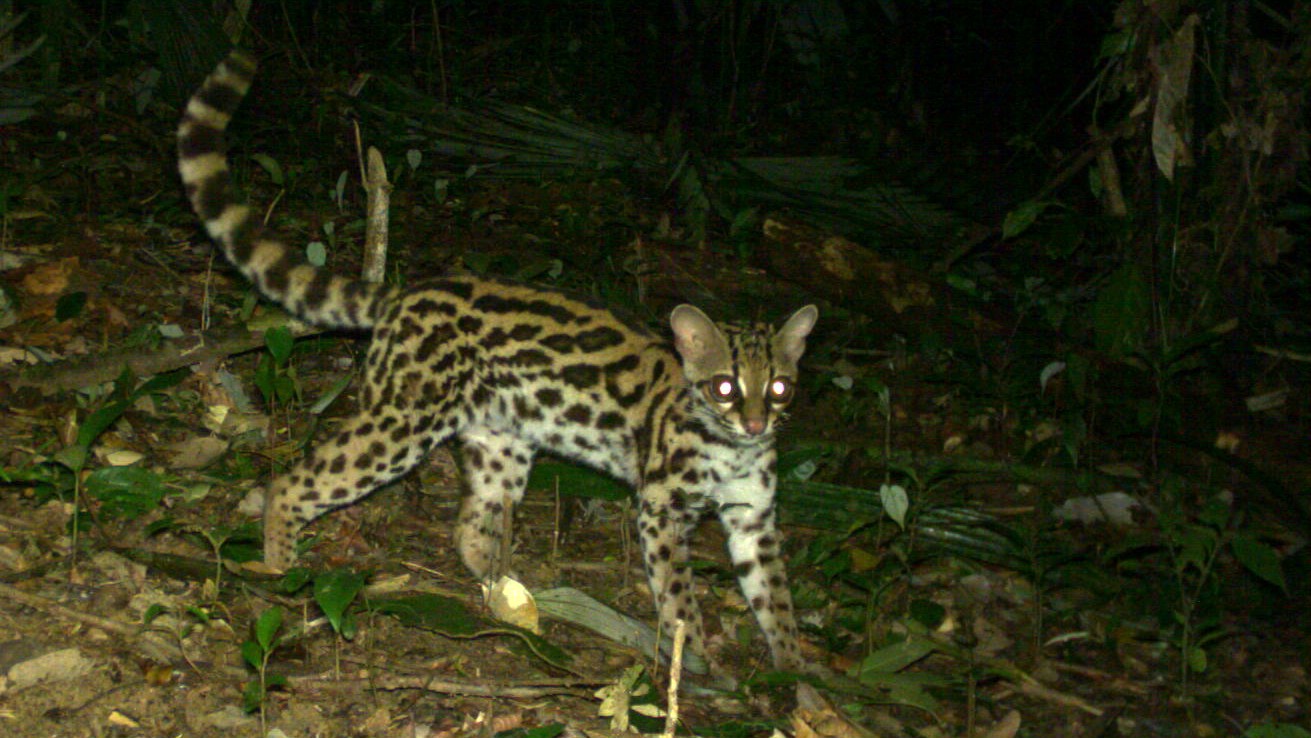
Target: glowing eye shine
[
  {"x": 780, "y": 389},
  {"x": 723, "y": 388}
]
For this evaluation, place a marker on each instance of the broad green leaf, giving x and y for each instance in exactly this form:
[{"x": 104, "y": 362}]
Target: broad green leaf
[
  {"x": 1197, "y": 659},
  {"x": 895, "y": 502},
  {"x": 1276, "y": 730},
  {"x": 161, "y": 382},
  {"x": 910, "y": 688},
  {"x": 74, "y": 457},
  {"x": 434, "y": 612},
  {"x": 100, "y": 419},
  {"x": 316, "y": 253},
  {"x": 334, "y": 592},
  {"x": 266, "y": 628},
  {"x": 285, "y": 388},
  {"x": 295, "y": 580},
  {"x": 126, "y": 491},
  {"x": 576, "y": 481},
  {"x": 252, "y": 696},
  {"x": 450, "y": 617},
  {"x": 279, "y": 341},
  {"x": 270, "y": 165},
  {"x": 1021, "y": 218},
  {"x": 893, "y": 658},
  {"x": 1259, "y": 559},
  {"x": 541, "y": 731},
  {"x": 251, "y": 653},
  {"x": 266, "y": 379}
]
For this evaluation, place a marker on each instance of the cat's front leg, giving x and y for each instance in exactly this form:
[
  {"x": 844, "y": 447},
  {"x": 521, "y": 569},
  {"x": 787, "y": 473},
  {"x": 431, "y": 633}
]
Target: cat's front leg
[
  {"x": 664, "y": 524},
  {"x": 747, "y": 512}
]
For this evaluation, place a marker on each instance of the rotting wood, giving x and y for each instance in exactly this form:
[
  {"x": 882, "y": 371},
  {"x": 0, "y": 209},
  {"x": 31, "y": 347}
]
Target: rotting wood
[{"x": 888, "y": 292}]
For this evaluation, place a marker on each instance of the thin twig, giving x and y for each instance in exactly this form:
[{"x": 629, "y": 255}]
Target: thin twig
[
  {"x": 675, "y": 675},
  {"x": 150, "y": 644},
  {"x": 581, "y": 688}
]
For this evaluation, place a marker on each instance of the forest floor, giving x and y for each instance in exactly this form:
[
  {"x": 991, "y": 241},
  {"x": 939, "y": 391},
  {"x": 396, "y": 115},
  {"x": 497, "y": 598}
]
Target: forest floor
[{"x": 128, "y": 625}]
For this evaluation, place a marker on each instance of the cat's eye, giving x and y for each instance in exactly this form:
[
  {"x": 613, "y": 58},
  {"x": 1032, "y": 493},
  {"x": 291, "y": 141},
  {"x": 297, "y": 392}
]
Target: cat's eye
[
  {"x": 723, "y": 388},
  {"x": 780, "y": 389}
]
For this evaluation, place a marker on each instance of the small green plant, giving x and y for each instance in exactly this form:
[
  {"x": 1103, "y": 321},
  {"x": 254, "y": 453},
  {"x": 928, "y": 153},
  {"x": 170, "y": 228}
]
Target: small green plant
[
  {"x": 179, "y": 624},
  {"x": 129, "y": 491},
  {"x": 334, "y": 592},
  {"x": 275, "y": 376},
  {"x": 257, "y": 651},
  {"x": 225, "y": 541},
  {"x": 1194, "y": 543}
]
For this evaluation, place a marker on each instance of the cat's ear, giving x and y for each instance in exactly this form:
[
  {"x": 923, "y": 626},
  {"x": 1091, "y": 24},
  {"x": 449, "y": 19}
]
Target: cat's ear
[
  {"x": 790, "y": 341},
  {"x": 696, "y": 336}
]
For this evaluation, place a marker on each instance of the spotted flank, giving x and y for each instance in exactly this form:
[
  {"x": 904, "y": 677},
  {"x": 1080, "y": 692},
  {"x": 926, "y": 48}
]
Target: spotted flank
[{"x": 510, "y": 370}]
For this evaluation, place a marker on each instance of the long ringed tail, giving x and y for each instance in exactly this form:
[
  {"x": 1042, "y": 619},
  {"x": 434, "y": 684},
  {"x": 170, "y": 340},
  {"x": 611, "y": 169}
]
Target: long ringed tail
[{"x": 280, "y": 272}]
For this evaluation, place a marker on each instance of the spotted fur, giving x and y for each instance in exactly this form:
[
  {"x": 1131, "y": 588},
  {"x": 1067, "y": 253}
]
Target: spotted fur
[{"x": 510, "y": 370}]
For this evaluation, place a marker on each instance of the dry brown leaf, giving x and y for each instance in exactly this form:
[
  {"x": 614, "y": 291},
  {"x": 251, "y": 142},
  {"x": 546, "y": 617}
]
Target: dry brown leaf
[{"x": 52, "y": 278}]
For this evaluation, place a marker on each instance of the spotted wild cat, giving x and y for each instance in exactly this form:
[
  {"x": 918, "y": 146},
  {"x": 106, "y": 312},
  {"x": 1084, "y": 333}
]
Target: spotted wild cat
[{"x": 511, "y": 370}]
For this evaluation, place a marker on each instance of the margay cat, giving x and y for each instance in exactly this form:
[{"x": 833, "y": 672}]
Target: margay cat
[{"x": 511, "y": 370}]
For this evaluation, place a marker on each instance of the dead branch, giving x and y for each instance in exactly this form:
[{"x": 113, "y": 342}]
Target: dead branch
[
  {"x": 149, "y": 644},
  {"x": 87, "y": 371},
  {"x": 581, "y": 688}
]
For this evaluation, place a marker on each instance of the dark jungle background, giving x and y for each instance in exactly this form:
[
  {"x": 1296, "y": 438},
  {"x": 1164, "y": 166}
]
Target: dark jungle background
[{"x": 1049, "y": 473}]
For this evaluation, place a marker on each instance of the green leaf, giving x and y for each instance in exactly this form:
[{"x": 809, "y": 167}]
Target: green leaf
[
  {"x": 316, "y": 253},
  {"x": 126, "y": 491},
  {"x": 452, "y": 618},
  {"x": 270, "y": 165},
  {"x": 70, "y": 306},
  {"x": 265, "y": 378},
  {"x": 445, "y": 615},
  {"x": 1121, "y": 312},
  {"x": 100, "y": 419},
  {"x": 927, "y": 613},
  {"x": 279, "y": 341},
  {"x": 331, "y": 394},
  {"x": 1276, "y": 730},
  {"x": 266, "y": 628},
  {"x": 1259, "y": 559},
  {"x": 251, "y": 652},
  {"x": 160, "y": 382},
  {"x": 895, "y": 502},
  {"x": 1021, "y": 218},
  {"x": 910, "y": 688},
  {"x": 1197, "y": 659},
  {"x": 285, "y": 388},
  {"x": 74, "y": 457},
  {"x": 252, "y": 695},
  {"x": 576, "y": 481},
  {"x": 541, "y": 731},
  {"x": 334, "y": 592},
  {"x": 893, "y": 658},
  {"x": 153, "y": 612},
  {"x": 295, "y": 580}
]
